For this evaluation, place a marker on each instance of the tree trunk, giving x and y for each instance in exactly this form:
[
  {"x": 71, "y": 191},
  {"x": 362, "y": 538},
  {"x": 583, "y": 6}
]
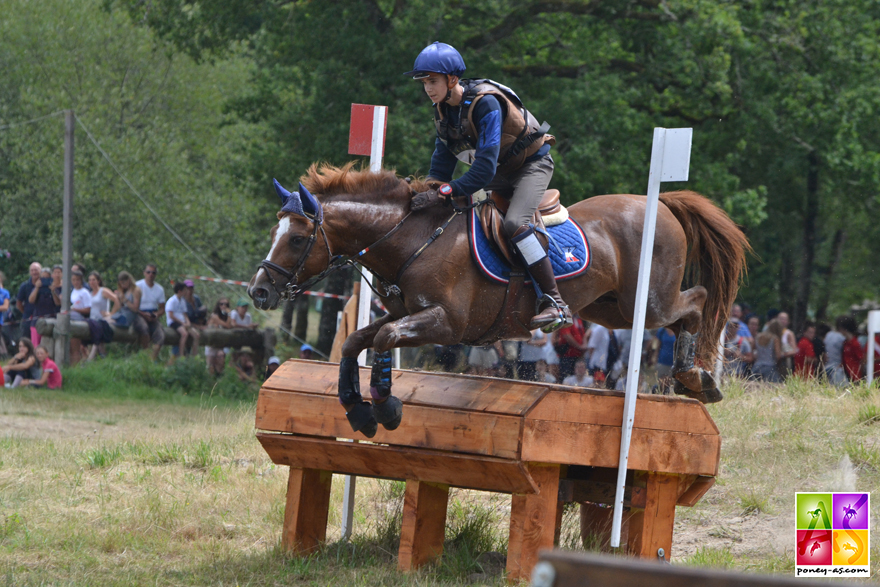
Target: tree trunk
[
  {"x": 337, "y": 283},
  {"x": 828, "y": 274},
  {"x": 808, "y": 247},
  {"x": 302, "y": 318},
  {"x": 287, "y": 320}
]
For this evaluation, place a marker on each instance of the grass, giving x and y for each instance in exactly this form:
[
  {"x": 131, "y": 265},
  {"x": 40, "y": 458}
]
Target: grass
[{"x": 133, "y": 476}]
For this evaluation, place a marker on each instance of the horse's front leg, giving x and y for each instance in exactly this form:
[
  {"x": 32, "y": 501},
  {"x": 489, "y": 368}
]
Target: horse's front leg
[{"x": 360, "y": 413}]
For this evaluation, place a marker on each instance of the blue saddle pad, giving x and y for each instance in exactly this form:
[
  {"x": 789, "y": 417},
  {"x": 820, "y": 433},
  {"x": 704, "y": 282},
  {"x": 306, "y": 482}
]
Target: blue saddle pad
[{"x": 569, "y": 250}]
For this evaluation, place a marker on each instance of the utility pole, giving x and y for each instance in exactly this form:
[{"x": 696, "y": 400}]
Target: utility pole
[{"x": 63, "y": 324}]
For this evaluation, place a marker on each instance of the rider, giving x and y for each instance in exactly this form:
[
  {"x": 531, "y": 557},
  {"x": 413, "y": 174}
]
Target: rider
[{"x": 484, "y": 124}]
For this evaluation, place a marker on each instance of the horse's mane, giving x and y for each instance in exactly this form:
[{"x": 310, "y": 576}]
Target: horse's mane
[{"x": 328, "y": 180}]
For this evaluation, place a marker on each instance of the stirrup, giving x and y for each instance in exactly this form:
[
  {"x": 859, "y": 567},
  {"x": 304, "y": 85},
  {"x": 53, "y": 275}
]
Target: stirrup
[{"x": 563, "y": 314}]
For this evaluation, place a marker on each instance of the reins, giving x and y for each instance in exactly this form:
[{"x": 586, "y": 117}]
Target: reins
[{"x": 290, "y": 290}]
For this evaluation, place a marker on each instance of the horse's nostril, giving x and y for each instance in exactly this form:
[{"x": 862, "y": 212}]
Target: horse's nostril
[{"x": 260, "y": 294}]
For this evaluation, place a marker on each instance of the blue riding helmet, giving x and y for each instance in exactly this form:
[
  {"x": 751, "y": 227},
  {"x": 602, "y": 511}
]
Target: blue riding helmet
[{"x": 437, "y": 58}]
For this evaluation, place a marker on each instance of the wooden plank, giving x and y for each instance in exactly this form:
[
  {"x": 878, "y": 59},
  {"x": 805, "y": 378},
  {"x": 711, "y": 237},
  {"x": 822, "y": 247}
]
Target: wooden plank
[
  {"x": 598, "y": 446},
  {"x": 385, "y": 462},
  {"x": 532, "y": 522},
  {"x": 424, "y": 524},
  {"x": 461, "y": 392},
  {"x": 422, "y": 426},
  {"x": 305, "y": 514},
  {"x": 650, "y": 529},
  {"x": 576, "y": 569},
  {"x": 652, "y": 412},
  {"x": 696, "y": 491}
]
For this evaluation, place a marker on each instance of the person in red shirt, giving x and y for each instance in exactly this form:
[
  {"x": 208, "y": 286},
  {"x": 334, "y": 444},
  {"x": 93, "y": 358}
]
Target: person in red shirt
[
  {"x": 571, "y": 343},
  {"x": 51, "y": 376},
  {"x": 853, "y": 353},
  {"x": 805, "y": 358}
]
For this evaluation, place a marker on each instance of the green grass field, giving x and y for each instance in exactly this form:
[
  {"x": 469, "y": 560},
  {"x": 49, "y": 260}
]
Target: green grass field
[{"x": 140, "y": 475}]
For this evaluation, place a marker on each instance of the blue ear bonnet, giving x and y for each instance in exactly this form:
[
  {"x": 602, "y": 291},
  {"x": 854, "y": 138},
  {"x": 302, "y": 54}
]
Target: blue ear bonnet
[{"x": 301, "y": 202}]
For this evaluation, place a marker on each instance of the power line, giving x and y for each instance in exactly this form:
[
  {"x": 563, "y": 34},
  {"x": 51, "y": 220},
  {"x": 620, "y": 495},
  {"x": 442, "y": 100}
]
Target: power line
[{"x": 14, "y": 124}]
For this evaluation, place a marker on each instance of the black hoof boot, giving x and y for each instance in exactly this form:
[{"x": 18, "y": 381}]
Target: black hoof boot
[
  {"x": 680, "y": 389},
  {"x": 389, "y": 413},
  {"x": 710, "y": 388},
  {"x": 361, "y": 419}
]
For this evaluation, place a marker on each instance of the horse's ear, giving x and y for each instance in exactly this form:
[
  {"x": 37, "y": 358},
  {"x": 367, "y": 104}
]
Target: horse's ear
[
  {"x": 282, "y": 193},
  {"x": 310, "y": 204}
]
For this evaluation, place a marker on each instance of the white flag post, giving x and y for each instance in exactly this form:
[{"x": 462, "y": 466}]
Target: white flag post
[
  {"x": 873, "y": 328},
  {"x": 670, "y": 160},
  {"x": 367, "y": 129}
]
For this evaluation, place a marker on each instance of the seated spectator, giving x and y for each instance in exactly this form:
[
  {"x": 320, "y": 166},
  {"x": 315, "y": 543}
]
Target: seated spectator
[
  {"x": 80, "y": 310},
  {"x": 22, "y": 366},
  {"x": 219, "y": 318},
  {"x": 4, "y": 307},
  {"x": 542, "y": 375},
  {"x": 580, "y": 378},
  {"x": 853, "y": 353},
  {"x": 101, "y": 299},
  {"x": 805, "y": 359},
  {"x": 57, "y": 277},
  {"x": 305, "y": 352},
  {"x": 175, "y": 314},
  {"x": 241, "y": 318},
  {"x": 148, "y": 323},
  {"x": 571, "y": 344},
  {"x": 195, "y": 309},
  {"x": 483, "y": 360},
  {"x": 51, "y": 374},
  {"x": 272, "y": 366},
  {"x": 531, "y": 352},
  {"x": 243, "y": 363},
  {"x": 128, "y": 300}
]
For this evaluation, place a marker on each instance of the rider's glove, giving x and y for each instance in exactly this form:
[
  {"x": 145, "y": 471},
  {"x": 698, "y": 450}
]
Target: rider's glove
[{"x": 431, "y": 197}]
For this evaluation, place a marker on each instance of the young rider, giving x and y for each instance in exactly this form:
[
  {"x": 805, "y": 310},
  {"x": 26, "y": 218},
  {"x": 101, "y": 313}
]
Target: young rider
[{"x": 484, "y": 124}]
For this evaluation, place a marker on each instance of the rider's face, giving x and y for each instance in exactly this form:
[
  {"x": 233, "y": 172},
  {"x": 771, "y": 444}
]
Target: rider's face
[{"x": 436, "y": 86}]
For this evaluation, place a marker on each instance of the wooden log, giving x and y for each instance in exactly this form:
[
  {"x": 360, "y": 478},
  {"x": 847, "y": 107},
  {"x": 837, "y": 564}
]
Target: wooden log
[
  {"x": 424, "y": 524},
  {"x": 532, "y": 522},
  {"x": 306, "y": 511},
  {"x": 650, "y": 529},
  {"x": 217, "y": 337}
]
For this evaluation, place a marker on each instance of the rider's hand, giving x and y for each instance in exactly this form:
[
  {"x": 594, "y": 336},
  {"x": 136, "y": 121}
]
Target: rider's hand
[{"x": 431, "y": 197}]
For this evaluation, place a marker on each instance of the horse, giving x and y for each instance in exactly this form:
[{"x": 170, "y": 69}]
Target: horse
[{"x": 434, "y": 293}]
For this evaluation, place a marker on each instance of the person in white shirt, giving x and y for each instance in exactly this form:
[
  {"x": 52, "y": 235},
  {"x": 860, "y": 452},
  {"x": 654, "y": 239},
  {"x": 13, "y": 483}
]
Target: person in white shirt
[
  {"x": 241, "y": 318},
  {"x": 598, "y": 349},
  {"x": 175, "y": 314},
  {"x": 580, "y": 378},
  {"x": 80, "y": 309},
  {"x": 147, "y": 323}
]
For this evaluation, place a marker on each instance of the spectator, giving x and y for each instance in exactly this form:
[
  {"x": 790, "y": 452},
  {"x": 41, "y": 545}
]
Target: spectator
[
  {"x": 789, "y": 344},
  {"x": 241, "y": 318},
  {"x": 542, "y": 374},
  {"x": 736, "y": 312},
  {"x": 853, "y": 353},
  {"x": 305, "y": 352},
  {"x": 483, "y": 360},
  {"x": 195, "y": 309},
  {"x": 35, "y": 301},
  {"x": 147, "y": 323},
  {"x": 768, "y": 352},
  {"x": 22, "y": 366},
  {"x": 822, "y": 330},
  {"x": 664, "y": 358},
  {"x": 805, "y": 359},
  {"x": 580, "y": 377},
  {"x": 4, "y": 307},
  {"x": 834, "y": 341},
  {"x": 272, "y": 366},
  {"x": 128, "y": 301},
  {"x": 100, "y": 297},
  {"x": 219, "y": 318},
  {"x": 57, "y": 278},
  {"x": 51, "y": 374},
  {"x": 736, "y": 347},
  {"x": 80, "y": 298},
  {"x": 571, "y": 344},
  {"x": 175, "y": 314},
  {"x": 531, "y": 352},
  {"x": 600, "y": 339},
  {"x": 448, "y": 357},
  {"x": 243, "y": 363}
]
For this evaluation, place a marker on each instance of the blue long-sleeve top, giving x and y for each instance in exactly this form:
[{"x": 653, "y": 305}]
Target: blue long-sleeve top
[{"x": 487, "y": 120}]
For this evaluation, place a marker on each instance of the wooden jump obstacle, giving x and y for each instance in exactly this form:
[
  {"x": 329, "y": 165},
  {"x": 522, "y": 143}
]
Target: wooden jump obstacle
[{"x": 544, "y": 444}]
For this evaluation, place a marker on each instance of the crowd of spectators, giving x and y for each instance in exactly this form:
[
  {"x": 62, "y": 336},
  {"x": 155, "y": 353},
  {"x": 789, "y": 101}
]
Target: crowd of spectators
[{"x": 139, "y": 305}]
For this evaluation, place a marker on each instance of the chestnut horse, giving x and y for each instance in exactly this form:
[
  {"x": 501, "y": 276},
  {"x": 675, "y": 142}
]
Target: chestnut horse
[{"x": 440, "y": 297}]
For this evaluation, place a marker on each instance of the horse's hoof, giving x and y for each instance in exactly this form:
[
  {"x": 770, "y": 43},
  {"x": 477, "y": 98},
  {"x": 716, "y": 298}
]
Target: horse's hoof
[
  {"x": 361, "y": 419},
  {"x": 692, "y": 379},
  {"x": 680, "y": 389},
  {"x": 710, "y": 388},
  {"x": 389, "y": 413}
]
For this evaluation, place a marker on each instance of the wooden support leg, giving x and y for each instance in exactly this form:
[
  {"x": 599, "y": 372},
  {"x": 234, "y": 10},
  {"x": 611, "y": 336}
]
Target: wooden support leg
[
  {"x": 596, "y": 522},
  {"x": 305, "y": 515},
  {"x": 532, "y": 522},
  {"x": 651, "y": 529},
  {"x": 424, "y": 524}
]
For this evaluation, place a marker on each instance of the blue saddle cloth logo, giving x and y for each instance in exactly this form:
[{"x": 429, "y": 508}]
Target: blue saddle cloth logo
[{"x": 569, "y": 250}]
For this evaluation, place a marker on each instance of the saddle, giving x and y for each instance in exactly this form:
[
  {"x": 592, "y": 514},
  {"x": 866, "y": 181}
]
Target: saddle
[{"x": 550, "y": 213}]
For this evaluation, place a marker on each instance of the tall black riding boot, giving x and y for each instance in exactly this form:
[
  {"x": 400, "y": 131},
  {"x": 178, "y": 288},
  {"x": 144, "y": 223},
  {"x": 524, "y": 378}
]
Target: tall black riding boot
[{"x": 552, "y": 313}]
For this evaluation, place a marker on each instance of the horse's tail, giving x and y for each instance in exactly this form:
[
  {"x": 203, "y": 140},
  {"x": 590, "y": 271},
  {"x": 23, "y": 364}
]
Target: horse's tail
[{"x": 716, "y": 260}]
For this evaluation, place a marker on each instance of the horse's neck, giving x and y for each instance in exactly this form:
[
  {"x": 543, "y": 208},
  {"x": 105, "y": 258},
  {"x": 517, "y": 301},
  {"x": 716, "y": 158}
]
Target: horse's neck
[{"x": 353, "y": 225}]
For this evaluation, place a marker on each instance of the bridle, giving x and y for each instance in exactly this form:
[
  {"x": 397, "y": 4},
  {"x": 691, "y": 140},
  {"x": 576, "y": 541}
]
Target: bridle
[{"x": 289, "y": 290}]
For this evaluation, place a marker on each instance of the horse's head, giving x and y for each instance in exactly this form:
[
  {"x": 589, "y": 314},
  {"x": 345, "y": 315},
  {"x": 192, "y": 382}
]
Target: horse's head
[{"x": 290, "y": 261}]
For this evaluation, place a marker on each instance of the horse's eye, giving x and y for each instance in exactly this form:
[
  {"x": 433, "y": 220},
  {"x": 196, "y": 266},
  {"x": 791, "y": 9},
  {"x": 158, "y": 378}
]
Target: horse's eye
[{"x": 296, "y": 241}]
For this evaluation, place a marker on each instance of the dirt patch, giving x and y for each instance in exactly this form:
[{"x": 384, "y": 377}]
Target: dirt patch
[
  {"x": 742, "y": 535},
  {"x": 37, "y": 428}
]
